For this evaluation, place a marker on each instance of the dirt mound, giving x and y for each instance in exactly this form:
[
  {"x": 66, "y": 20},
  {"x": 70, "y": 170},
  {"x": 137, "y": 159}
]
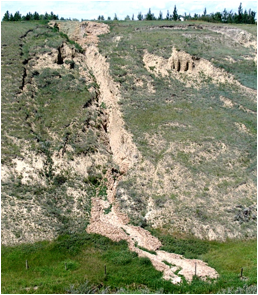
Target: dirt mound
[{"x": 179, "y": 61}]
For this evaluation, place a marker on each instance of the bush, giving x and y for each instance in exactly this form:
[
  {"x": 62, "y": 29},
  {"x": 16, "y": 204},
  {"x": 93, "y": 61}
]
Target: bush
[{"x": 94, "y": 179}]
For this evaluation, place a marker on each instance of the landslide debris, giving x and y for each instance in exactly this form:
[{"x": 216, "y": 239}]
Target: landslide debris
[
  {"x": 98, "y": 154},
  {"x": 106, "y": 218}
]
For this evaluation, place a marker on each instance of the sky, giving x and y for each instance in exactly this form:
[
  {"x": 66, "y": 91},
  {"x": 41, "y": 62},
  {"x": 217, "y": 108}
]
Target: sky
[{"x": 92, "y": 9}]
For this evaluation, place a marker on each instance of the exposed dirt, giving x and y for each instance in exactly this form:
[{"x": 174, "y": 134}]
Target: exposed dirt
[
  {"x": 240, "y": 36},
  {"x": 106, "y": 218},
  {"x": 190, "y": 70},
  {"x": 124, "y": 151}
]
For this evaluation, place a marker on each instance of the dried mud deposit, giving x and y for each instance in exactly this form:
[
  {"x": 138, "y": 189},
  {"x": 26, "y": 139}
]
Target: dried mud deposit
[{"x": 114, "y": 224}]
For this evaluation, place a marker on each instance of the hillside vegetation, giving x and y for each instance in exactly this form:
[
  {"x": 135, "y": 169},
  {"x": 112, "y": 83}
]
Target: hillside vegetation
[
  {"x": 49, "y": 110},
  {"x": 143, "y": 132},
  {"x": 196, "y": 129}
]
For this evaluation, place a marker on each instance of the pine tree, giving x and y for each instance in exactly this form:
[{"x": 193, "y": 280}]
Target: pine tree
[
  {"x": 240, "y": 14},
  {"x": 160, "y": 16},
  {"x": 36, "y": 16},
  {"x": 115, "y": 17},
  {"x": 252, "y": 16},
  {"x": 53, "y": 16},
  {"x": 175, "y": 15},
  {"x": 28, "y": 16},
  {"x": 6, "y": 16},
  {"x": 11, "y": 17},
  {"x": 140, "y": 16},
  {"x": 245, "y": 17},
  {"x": 167, "y": 16},
  {"x": 195, "y": 16},
  {"x": 149, "y": 15},
  {"x": 224, "y": 17},
  {"x": 46, "y": 16},
  {"x": 17, "y": 16},
  {"x": 217, "y": 17},
  {"x": 230, "y": 17}
]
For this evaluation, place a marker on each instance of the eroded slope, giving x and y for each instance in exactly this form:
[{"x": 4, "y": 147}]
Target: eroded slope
[
  {"x": 54, "y": 145},
  {"x": 106, "y": 218},
  {"x": 188, "y": 167}
]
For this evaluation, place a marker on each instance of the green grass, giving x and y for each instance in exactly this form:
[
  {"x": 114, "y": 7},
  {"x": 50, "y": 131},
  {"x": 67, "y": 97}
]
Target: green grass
[
  {"x": 85, "y": 256},
  {"x": 145, "y": 112},
  {"x": 198, "y": 42},
  {"x": 74, "y": 261},
  {"x": 190, "y": 248},
  {"x": 11, "y": 79},
  {"x": 228, "y": 258}
]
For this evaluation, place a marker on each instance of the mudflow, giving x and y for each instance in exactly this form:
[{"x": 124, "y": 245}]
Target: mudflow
[{"x": 115, "y": 225}]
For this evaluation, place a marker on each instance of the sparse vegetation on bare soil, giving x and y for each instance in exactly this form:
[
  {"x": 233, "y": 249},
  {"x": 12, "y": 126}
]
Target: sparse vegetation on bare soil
[{"x": 182, "y": 127}]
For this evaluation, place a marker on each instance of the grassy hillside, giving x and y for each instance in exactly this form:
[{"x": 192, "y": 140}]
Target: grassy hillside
[
  {"x": 194, "y": 186},
  {"x": 197, "y": 136},
  {"x": 51, "y": 134}
]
